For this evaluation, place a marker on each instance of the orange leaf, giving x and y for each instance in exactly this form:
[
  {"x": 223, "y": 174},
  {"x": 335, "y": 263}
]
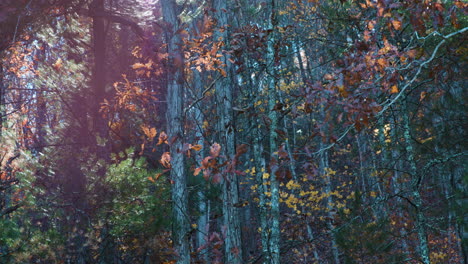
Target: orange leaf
[
  {"x": 166, "y": 160},
  {"x": 197, "y": 171},
  {"x": 58, "y": 64},
  {"x": 151, "y": 179},
  {"x": 382, "y": 62},
  {"x": 196, "y": 147},
  {"x": 138, "y": 65},
  {"x": 396, "y": 24},
  {"x": 394, "y": 89},
  {"x": 162, "y": 138},
  {"x": 411, "y": 53}
]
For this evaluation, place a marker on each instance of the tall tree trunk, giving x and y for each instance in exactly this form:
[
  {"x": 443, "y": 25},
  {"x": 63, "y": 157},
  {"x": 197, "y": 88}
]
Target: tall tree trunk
[
  {"x": 2, "y": 100},
  {"x": 100, "y": 127},
  {"x": 224, "y": 89},
  {"x": 175, "y": 132},
  {"x": 272, "y": 48},
  {"x": 203, "y": 203},
  {"x": 415, "y": 184},
  {"x": 323, "y": 165}
]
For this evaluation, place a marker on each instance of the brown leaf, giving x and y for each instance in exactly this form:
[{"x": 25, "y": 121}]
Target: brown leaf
[
  {"x": 241, "y": 149},
  {"x": 166, "y": 160},
  {"x": 162, "y": 138}
]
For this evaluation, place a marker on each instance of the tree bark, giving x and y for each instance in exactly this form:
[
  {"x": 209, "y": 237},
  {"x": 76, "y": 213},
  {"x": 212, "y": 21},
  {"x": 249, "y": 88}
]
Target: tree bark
[
  {"x": 100, "y": 127},
  {"x": 272, "y": 48},
  {"x": 224, "y": 89},
  {"x": 175, "y": 132},
  {"x": 415, "y": 184},
  {"x": 2, "y": 100}
]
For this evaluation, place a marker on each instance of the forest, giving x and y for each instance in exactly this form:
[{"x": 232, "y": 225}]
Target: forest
[{"x": 233, "y": 131}]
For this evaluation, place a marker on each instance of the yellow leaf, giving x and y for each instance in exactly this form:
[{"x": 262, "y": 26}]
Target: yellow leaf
[
  {"x": 394, "y": 89},
  {"x": 196, "y": 147}
]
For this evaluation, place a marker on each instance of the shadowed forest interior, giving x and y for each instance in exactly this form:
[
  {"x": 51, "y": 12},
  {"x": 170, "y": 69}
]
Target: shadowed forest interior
[{"x": 233, "y": 131}]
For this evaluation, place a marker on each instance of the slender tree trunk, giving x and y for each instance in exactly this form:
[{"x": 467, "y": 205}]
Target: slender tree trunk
[
  {"x": 328, "y": 187},
  {"x": 272, "y": 49},
  {"x": 203, "y": 203},
  {"x": 99, "y": 81},
  {"x": 262, "y": 191},
  {"x": 415, "y": 184},
  {"x": 390, "y": 158},
  {"x": 2, "y": 100},
  {"x": 224, "y": 89},
  {"x": 176, "y": 132}
]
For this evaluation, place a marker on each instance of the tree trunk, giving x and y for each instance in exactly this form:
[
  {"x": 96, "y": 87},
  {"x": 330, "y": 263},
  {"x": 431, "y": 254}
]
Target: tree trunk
[
  {"x": 224, "y": 89},
  {"x": 2, "y": 100},
  {"x": 417, "y": 200},
  {"x": 272, "y": 48},
  {"x": 100, "y": 127},
  {"x": 175, "y": 132}
]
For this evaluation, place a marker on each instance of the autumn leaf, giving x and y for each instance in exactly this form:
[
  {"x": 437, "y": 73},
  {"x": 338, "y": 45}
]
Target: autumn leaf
[
  {"x": 223, "y": 72},
  {"x": 58, "y": 64},
  {"x": 197, "y": 171},
  {"x": 207, "y": 162},
  {"x": 166, "y": 160},
  {"x": 396, "y": 24},
  {"x": 394, "y": 89},
  {"x": 328, "y": 77},
  {"x": 241, "y": 149},
  {"x": 382, "y": 62},
  {"x": 149, "y": 132},
  {"x": 215, "y": 149},
  {"x": 196, "y": 147},
  {"x": 138, "y": 66},
  {"x": 411, "y": 53},
  {"x": 162, "y": 138}
]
